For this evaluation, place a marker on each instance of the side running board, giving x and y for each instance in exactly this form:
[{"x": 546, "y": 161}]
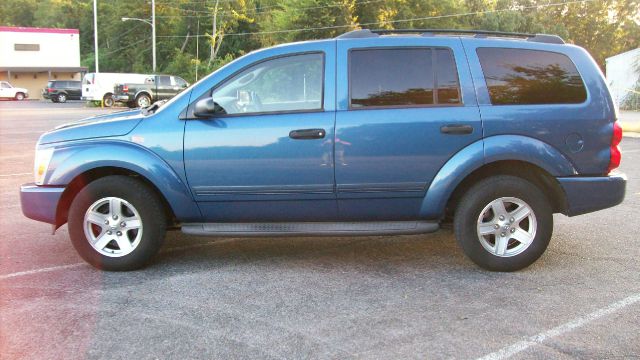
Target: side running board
[{"x": 311, "y": 228}]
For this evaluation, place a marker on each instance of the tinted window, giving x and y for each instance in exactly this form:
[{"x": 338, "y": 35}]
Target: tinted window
[
  {"x": 164, "y": 80},
  {"x": 446, "y": 77},
  {"x": 519, "y": 76},
  {"x": 291, "y": 83},
  {"x": 391, "y": 77}
]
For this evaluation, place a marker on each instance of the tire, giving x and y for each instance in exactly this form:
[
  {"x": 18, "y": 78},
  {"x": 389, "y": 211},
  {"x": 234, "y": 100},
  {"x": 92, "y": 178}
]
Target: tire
[
  {"x": 54, "y": 99},
  {"x": 139, "y": 221},
  {"x": 143, "y": 100},
  {"x": 108, "y": 101},
  {"x": 19, "y": 96},
  {"x": 520, "y": 238},
  {"x": 131, "y": 104},
  {"x": 62, "y": 98}
]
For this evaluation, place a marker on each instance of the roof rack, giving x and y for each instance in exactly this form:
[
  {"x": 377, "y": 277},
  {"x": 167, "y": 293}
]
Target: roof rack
[{"x": 368, "y": 33}]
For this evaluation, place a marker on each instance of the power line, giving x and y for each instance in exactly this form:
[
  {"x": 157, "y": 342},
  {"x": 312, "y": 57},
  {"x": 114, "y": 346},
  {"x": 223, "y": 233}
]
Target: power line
[
  {"x": 390, "y": 21},
  {"x": 261, "y": 9}
]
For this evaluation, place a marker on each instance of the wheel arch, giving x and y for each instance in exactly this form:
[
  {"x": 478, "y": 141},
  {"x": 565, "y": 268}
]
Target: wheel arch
[
  {"x": 516, "y": 155},
  {"x": 85, "y": 178},
  {"x": 518, "y": 168},
  {"x": 76, "y": 166},
  {"x": 143, "y": 92}
]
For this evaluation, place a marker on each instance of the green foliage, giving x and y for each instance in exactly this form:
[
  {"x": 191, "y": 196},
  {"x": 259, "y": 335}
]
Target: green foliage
[{"x": 603, "y": 27}]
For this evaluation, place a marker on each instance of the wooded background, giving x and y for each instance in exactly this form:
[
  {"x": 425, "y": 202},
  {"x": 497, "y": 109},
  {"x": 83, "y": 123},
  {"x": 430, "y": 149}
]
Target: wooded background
[{"x": 206, "y": 34}]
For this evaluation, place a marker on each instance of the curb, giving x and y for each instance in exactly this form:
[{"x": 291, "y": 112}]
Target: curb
[{"x": 630, "y": 129}]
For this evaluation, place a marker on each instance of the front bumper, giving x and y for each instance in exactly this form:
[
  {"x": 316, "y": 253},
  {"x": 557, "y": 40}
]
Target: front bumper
[
  {"x": 587, "y": 194},
  {"x": 40, "y": 202}
]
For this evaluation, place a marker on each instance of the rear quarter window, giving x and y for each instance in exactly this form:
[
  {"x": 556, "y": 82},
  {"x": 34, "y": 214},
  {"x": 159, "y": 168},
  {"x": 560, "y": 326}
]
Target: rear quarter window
[{"x": 530, "y": 77}]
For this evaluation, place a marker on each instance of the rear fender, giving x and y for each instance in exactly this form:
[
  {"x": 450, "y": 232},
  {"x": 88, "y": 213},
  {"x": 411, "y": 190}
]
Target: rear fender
[{"x": 486, "y": 151}]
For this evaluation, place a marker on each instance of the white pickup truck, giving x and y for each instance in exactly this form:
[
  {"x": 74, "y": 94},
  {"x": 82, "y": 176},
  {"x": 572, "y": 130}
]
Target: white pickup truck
[{"x": 7, "y": 91}]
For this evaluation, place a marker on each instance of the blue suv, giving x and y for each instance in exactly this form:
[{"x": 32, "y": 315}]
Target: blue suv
[{"x": 370, "y": 133}]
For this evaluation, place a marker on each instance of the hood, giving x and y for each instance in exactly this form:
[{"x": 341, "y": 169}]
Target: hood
[{"x": 115, "y": 124}]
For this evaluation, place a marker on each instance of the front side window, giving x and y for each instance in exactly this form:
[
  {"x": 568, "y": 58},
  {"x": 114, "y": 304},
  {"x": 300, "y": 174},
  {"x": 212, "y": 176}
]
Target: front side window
[
  {"x": 164, "y": 81},
  {"x": 529, "y": 77},
  {"x": 291, "y": 83},
  {"x": 6, "y": 85},
  {"x": 398, "y": 77}
]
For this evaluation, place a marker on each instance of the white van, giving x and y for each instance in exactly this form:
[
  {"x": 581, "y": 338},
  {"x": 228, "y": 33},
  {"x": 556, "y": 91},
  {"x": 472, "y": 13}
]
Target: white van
[{"x": 99, "y": 86}]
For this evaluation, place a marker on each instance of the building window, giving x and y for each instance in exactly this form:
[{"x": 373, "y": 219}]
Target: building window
[{"x": 26, "y": 47}]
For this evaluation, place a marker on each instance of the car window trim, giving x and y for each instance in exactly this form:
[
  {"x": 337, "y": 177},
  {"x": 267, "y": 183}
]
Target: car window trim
[
  {"x": 208, "y": 93},
  {"x": 435, "y": 84}
]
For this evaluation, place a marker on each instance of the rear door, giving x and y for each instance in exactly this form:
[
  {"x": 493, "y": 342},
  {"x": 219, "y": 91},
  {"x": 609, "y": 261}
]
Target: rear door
[{"x": 405, "y": 106}]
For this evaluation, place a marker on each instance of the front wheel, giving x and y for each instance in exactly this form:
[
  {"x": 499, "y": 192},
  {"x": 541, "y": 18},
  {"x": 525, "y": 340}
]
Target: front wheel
[
  {"x": 504, "y": 223},
  {"x": 117, "y": 223}
]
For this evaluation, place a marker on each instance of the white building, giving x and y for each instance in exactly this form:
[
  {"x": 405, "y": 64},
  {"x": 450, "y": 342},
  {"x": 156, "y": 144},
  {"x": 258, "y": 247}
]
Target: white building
[
  {"x": 622, "y": 74},
  {"x": 32, "y": 56}
]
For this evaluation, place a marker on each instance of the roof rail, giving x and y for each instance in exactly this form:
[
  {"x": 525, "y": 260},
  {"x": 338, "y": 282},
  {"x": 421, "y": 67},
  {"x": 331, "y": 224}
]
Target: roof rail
[{"x": 368, "y": 33}]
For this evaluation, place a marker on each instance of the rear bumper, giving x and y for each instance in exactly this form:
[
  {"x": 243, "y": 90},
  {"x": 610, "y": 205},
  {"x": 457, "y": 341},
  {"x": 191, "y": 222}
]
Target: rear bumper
[
  {"x": 587, "y": 194},
  {"x": 40, "y": 202},
  {"x": 122, "y": 98}
]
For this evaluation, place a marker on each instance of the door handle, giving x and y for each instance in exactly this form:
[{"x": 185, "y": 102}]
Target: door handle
[
  {"x": 306, "y": 134},
  {"x": 456, "y": 129}
]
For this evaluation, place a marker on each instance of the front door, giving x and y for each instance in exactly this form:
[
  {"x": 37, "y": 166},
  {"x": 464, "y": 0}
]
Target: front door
[
  {"x": 402, "y": 115},
  {"x": 268, "y": 153}
]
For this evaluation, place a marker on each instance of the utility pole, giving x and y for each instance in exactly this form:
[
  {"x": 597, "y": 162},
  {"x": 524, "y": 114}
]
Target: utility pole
[
  {"x": 153, "y": 30},
  {"x": 197, "y": 48},
  {"x": 95, "y": 32}
]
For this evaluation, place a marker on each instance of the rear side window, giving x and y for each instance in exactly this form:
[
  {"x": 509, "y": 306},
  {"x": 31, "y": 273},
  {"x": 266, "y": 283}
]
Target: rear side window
[
  {"x": 529, "y": 77},
  {"x": 402, "y": 77}
]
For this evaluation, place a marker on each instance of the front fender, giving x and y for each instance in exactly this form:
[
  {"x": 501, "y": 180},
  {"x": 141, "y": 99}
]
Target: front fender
[
  {"x": 486, "y": 151},
  {"x": 73, "y": 159}
]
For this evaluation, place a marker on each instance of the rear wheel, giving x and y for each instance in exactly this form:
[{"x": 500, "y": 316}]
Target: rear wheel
[
  {"x": 19, "y": 96},
  {"x": 117, "y": 223},
  {"x": 62, "y": 98},
  {"x": 143, "y": 100},
  {"x": 504, "y": 223},
  {"x": 108, "y": 101}
]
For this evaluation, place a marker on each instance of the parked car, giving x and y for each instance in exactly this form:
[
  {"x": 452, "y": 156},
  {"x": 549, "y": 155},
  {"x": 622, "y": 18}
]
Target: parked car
[
  {"x": 7, "y": 91},
  {"x": 62, "y": 90},
  {"x": 365, "y": 134},
  {"x": 99, "y": 86},
  {"x": 154, "y": 88}
]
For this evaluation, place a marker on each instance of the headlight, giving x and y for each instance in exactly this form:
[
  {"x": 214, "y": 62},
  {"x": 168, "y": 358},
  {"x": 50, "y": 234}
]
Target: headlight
[{"x": 43, "y": 157}]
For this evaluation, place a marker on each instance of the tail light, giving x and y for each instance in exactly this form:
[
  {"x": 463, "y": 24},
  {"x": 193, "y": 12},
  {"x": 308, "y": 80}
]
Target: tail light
[
  {"x": 49, "y": 90},
  {"x": 616, "y": 156},
  {"x": 125, "y": 88}
]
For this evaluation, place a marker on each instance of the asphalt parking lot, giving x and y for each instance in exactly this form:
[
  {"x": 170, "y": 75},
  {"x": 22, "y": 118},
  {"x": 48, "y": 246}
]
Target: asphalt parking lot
[{"x": 350, "y": 297}]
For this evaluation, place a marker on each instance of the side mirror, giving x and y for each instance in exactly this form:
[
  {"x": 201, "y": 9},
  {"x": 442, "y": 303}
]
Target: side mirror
[{"x": 207, "y": 108}]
